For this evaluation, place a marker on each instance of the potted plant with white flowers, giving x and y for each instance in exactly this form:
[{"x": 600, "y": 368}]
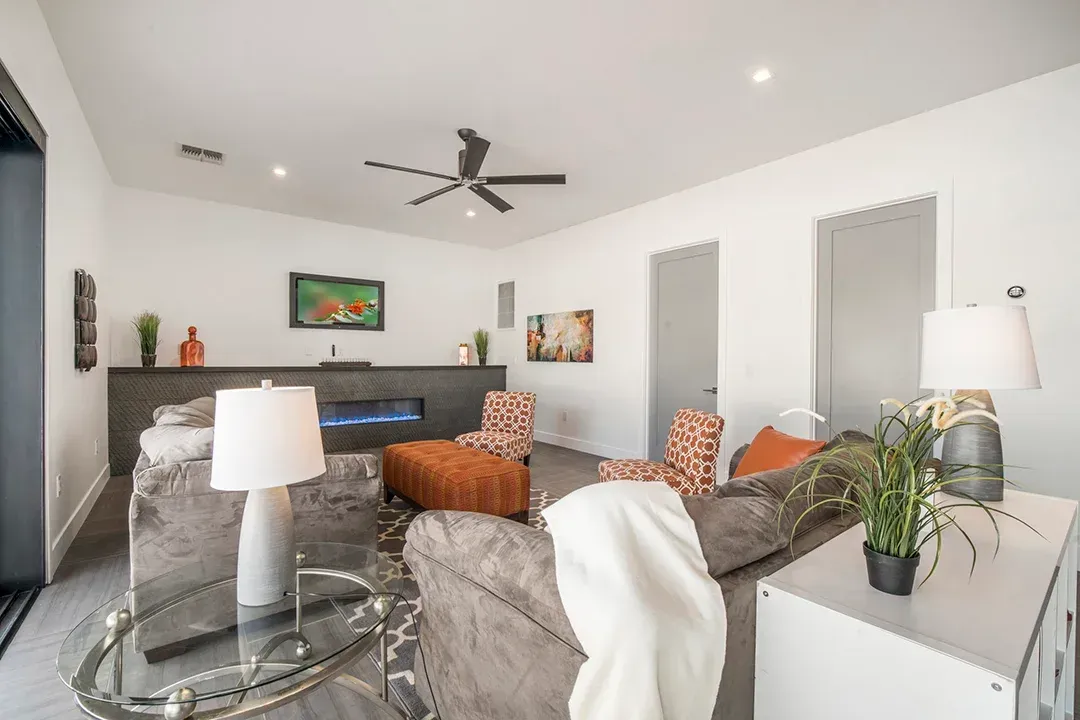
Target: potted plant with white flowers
[{"x": 891, "y": 483}]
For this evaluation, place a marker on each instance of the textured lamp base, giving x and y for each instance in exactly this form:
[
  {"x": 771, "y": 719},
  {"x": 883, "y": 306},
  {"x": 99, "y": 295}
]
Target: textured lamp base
[
  {"x": 977, "y": 443},
  {"x": 267, "y": 558}
]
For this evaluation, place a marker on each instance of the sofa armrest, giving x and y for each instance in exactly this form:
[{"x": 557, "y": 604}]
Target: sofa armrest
[
  {"x": 511, "y": 561},
  {"x": 496, "y": 642}
]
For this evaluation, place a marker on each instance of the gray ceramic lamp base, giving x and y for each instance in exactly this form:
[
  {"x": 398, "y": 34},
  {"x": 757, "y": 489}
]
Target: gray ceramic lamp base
[
  {"x": 977, "y": 442},
  {"x": 267, "y": 557}
]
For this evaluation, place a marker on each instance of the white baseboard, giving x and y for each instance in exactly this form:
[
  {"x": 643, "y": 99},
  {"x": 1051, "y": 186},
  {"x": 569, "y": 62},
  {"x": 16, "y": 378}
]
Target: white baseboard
[
  {"x": 71, "y": 528},
  {"x": 606, "y": 451}
]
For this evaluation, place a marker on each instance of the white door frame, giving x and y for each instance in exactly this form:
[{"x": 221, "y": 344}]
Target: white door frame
[
  {"x": 943, "y": 267},
  {"x": 721, "y": 337}
]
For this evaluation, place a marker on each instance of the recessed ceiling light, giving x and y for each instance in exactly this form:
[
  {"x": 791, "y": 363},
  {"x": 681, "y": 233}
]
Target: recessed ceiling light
[
  {"x": 470, "y": 213},
  {"x": 280, "y": 171},
  {"x": 762, "y": 75}
]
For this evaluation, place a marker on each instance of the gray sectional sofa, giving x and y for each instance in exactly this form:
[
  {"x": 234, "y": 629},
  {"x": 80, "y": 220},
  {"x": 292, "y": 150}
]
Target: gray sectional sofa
[
  {"x": 496, "y": 641},
  {"x": 176, "y": 519}
]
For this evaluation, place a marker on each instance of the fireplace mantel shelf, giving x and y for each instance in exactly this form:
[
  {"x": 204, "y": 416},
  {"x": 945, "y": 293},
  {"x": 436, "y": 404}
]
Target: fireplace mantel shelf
[{"x": 296, "y": 368}]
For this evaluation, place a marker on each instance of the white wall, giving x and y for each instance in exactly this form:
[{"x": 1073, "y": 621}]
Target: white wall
[
  {"x": 76, "y": 189},
  {"x": 1006, "y": 168},
  {"x": 225, "y": 269}
]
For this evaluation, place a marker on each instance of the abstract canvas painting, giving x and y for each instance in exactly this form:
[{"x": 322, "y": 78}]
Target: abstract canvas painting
[{"x": 560, "y": 337}]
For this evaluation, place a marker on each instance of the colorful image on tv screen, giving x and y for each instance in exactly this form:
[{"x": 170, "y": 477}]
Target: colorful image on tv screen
[{"x": 320, "y": 302}]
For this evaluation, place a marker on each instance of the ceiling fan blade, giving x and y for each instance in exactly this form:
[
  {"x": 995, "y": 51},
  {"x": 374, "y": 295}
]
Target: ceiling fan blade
[
  {"x": 494, "y": 200},
  {"x": 475, "y": 150},
  {"x": 372, "y": 163},
  {"x": 437, "y": 193},
  {"x": 524, "y": 180}
]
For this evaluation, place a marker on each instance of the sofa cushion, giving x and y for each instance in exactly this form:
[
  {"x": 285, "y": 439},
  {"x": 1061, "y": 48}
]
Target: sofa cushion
[
  {"x": 772, "y": 450},
  {"x": 181, "y": 433},
  {"x": 193, "y": 478},
  {"x": 168, "y": 444},
  {"x": 195, "y": 413},
  {"x": 740, "y": 522},
  {"x": 736, "y": 458},
  {"x": 734, "y": 531}
]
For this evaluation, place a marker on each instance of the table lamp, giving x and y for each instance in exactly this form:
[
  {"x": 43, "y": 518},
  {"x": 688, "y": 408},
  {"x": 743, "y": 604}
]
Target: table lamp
[
  {"x": 265, "y": 439},
  {"x": 985, "y": 348}
]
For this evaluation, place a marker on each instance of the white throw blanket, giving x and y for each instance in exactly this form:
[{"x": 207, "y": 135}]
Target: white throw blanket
[{"x": 638, "y": 594}]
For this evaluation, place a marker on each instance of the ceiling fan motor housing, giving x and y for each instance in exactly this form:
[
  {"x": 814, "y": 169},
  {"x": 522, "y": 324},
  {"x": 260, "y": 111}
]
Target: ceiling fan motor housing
[{"x": 470, "y": 159}]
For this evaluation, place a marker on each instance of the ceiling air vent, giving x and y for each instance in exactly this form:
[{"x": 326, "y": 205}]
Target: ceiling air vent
[{"x": 201, "y": 154}]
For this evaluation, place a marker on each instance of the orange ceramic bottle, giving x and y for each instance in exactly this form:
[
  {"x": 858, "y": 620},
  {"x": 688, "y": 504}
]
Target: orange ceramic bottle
[{"x": 191, "y": 350}]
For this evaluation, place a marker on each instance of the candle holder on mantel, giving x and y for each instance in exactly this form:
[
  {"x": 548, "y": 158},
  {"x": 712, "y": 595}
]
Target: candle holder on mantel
[{"x": 191, "y": 350}]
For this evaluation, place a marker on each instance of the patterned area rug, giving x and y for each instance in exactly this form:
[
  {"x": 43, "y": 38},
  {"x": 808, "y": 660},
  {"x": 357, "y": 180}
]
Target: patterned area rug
[{"x": 394, "y": 520}]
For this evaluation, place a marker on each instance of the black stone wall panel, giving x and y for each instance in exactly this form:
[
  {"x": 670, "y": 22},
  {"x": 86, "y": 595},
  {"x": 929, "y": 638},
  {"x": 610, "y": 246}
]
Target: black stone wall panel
[{"x": 453, "y": 400}]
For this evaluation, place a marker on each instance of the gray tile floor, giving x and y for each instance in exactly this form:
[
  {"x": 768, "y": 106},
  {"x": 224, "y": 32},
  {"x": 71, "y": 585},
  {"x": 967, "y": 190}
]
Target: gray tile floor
[{"x": 96, "y": 569}]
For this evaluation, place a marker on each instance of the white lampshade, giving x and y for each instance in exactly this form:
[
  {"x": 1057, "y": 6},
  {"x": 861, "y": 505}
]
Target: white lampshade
[
  {"x": 265, "y": 438},
  {"x": 978, "y": 347}
]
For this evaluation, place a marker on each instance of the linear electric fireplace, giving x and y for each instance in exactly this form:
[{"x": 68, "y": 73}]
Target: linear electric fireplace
[{"x": 363, "y": 412}]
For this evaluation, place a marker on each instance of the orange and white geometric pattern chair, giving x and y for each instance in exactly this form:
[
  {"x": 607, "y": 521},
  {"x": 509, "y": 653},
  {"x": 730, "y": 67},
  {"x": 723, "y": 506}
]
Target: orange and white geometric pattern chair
[
  {"x": 506, "y": 429},
  {"x": 689, "y": 466}
]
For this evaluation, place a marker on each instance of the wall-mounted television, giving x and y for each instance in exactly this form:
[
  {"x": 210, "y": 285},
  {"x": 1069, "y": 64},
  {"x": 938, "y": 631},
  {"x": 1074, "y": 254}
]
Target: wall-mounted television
[{"x": 337, "y": 303}]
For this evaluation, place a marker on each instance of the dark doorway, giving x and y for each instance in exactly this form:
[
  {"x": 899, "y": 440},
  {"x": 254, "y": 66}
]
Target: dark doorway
[{"x": 22, "y": 357}]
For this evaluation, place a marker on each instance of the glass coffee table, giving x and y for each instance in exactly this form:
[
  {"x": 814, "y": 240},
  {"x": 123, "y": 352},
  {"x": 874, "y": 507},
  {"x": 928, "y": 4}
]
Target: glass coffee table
[{"x": 179, "y": 646}]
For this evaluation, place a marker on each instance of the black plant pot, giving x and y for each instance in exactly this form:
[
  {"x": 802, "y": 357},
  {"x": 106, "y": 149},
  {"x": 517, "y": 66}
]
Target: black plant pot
[
  {"x": 482, "y": 360},
  {"x": 889, "y": 574},
  {"x": 149, "y": 360}
]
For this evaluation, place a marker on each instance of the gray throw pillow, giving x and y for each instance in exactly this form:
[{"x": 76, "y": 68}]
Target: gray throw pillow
[
  {"x": 181, "y": 433},
  {"x": 197, "y": 413}
]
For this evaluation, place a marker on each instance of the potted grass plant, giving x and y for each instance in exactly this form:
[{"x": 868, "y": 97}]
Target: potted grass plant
[
  {"x": 146, "y": 326},
  {"x": 480, "y": 339},
  {"x": 892, "y": 483}
]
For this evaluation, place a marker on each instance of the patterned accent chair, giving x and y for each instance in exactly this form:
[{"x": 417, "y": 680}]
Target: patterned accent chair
[
  {"x": 506, "y": 430},
  {"x": 689, "y": 465}
]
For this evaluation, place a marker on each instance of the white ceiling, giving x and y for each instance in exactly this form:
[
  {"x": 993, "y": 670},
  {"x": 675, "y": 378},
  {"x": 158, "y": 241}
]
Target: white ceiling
[{"x": 632, "y": 99}]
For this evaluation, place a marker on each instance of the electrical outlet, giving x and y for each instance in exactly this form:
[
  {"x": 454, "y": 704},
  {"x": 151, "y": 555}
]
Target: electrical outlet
[
  {"x": 59, "y": 485},
  {"x": 564, "y": 416},
  {"x": 97, "y": 446}
]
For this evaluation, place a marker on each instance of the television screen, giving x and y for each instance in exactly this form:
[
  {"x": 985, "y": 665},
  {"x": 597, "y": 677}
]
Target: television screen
[{"x": 321, "y": 301}]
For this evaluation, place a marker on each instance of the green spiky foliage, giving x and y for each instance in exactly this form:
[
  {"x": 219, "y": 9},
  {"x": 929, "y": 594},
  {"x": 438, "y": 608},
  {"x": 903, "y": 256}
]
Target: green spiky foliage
[
  {"x": 146, "y": 326},
  {"x": 892, "y": 485},
  {"x": 480, "y": 339}
]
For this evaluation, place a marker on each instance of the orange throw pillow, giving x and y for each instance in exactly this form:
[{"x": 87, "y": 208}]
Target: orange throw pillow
[{"x": 773, "y": 450}]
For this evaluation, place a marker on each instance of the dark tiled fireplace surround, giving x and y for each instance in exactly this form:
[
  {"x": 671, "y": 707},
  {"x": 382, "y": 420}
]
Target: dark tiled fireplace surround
[{"x": 449, "y": 400}]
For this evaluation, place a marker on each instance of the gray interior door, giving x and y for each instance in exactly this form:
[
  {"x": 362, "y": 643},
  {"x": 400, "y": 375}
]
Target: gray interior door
[
  {"x": 875, "y": 272},
  {"x": 684, "y": 308}
]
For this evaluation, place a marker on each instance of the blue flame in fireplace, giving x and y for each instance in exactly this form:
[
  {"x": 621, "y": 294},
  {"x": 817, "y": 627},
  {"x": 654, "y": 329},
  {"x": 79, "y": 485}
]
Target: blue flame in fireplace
[
  {"x": 366, "y": 412},
  {"x": 367, "y": 419}
]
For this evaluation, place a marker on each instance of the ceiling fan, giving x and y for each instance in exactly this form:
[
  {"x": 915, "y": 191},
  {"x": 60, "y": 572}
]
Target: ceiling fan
[{"x": 469, "y": 161}]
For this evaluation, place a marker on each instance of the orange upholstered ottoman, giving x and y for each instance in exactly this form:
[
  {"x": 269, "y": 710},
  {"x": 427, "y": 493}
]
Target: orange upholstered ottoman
[{"x": 442, "y": 475}]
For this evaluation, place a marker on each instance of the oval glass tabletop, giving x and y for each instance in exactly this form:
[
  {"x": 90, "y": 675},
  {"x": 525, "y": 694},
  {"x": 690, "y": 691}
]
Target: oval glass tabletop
[{"x": 185, "y": 630}]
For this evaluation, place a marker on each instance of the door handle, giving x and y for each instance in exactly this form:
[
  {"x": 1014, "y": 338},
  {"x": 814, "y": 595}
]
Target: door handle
[{"x": 709, "y": 390}]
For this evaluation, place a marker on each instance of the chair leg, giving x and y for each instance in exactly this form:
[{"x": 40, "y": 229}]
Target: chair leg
[
  {"x": 525, "y": 461},
  {"x": 387, "y": 493},
  {"x": 521, "y": 517}
]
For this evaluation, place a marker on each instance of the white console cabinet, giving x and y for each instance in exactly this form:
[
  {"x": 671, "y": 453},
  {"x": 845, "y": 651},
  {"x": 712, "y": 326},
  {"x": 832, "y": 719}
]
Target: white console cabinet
[{"x": 996, "y": 645}]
